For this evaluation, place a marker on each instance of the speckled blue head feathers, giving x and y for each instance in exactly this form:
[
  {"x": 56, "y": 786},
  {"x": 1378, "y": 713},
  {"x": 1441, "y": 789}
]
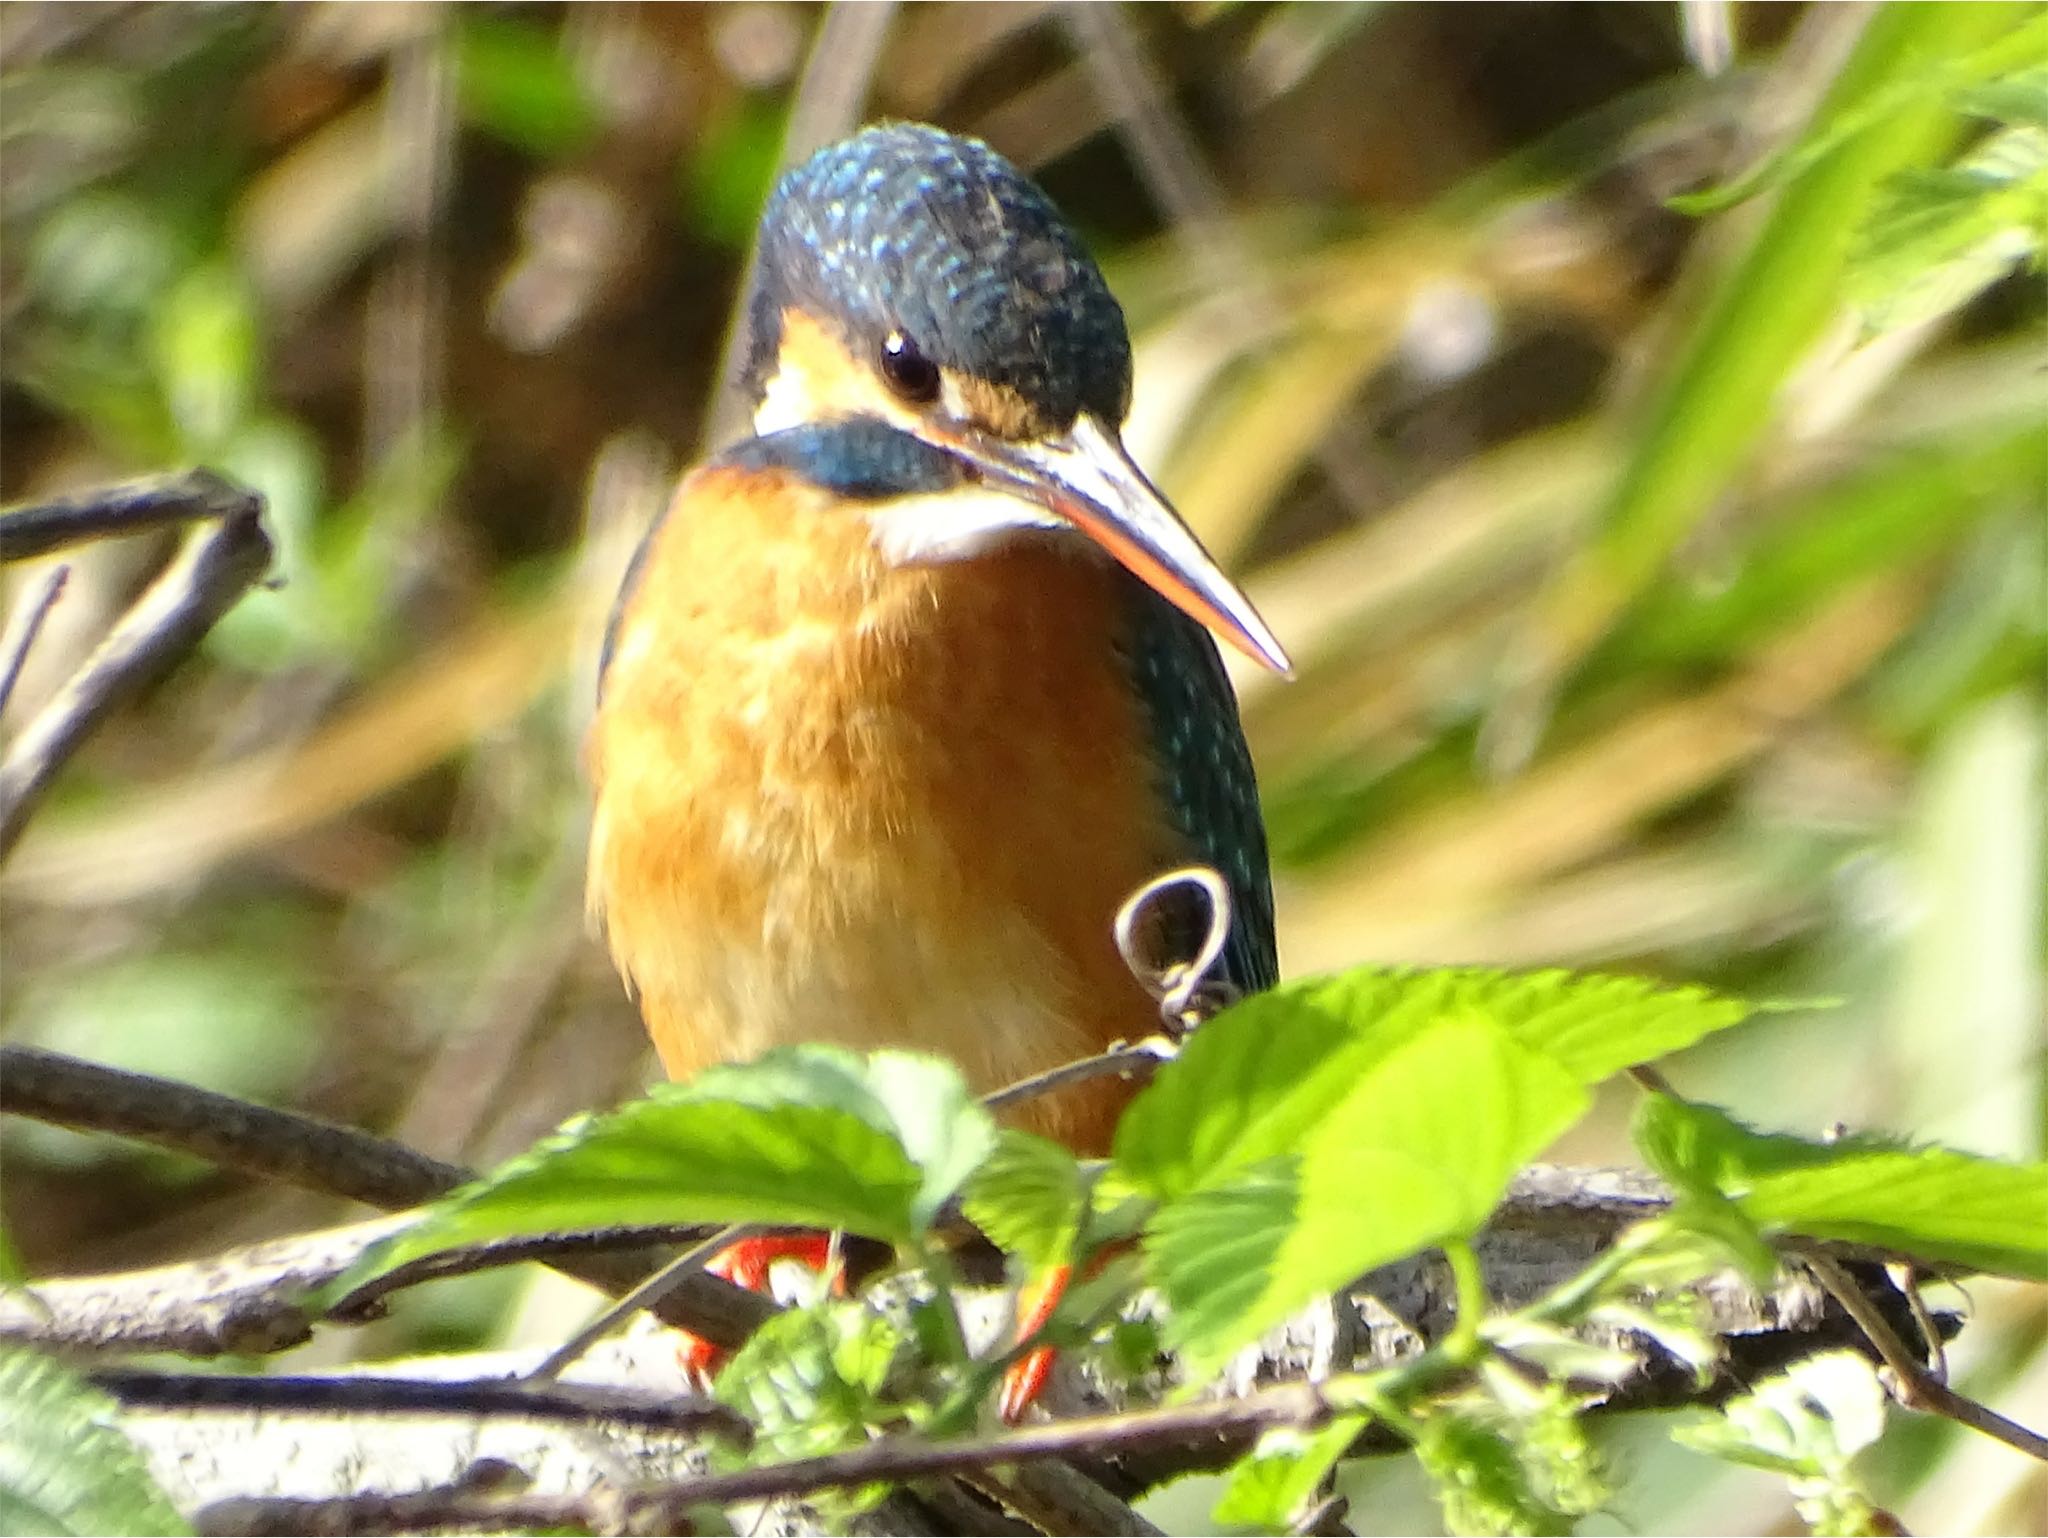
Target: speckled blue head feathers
[{"x": 906, "y": 229}]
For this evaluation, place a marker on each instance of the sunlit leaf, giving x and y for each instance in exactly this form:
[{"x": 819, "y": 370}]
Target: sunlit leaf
[
  {"x": 1418, "y": 1151},
  {"x": 1934, "y": 1203},
  {"x": 1028, "y": 1197},
  {"x": 1249, "y": 1084},
  {"x": 814, "y": 1136},
  {"x": 1275, "y": 1484},
  {"x": 808, "y": 1382},
  {"x": 65, "y": 1466},
  {"x": 1480, "y": 1482},
  {"x": 1937, "y": 239}
]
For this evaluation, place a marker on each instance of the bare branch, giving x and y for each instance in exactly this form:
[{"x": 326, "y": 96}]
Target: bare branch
[
  {"x": 254, "y": 1300},
  {"x": 577, "y": 1404},
  {"x": 132, "y": 507},
  {"x": 24, "y": 625},
  {"x": 278, "y": 1145},
  {"x": 216, "y": 566},
  {"x": 663, "y": 1508}
]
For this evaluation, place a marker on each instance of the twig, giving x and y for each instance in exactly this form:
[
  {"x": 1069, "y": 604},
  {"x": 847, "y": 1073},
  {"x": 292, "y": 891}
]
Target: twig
[
  {"x": 1136, "y": 1059},
  {"x": 577, "y": 1404},
  {"x": 1912, "y": 1384},
  {"x": 279, "y": 1145},
  {"x": 24, "y": 625},
  {"x": 1058, "y": 1499},
  {"x": 496, "y": 1502},
  {"x": 216, "y": 566},
  {"x": 253, "y": 1301},
  {"x": 650, "y": 1292},
  {"x": 131, "y": 507},
  {"x": 889, "y": 1460}
]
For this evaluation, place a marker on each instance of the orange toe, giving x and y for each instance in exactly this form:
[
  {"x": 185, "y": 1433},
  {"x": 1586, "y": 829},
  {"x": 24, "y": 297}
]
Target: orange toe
[
  {"x": 747, "y": 1264},
  {"x": 1026, "y": 1377}
]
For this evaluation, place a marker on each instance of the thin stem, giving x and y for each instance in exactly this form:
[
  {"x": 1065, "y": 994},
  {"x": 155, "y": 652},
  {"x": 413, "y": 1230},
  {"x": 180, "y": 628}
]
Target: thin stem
[
  {"x": 1463, "y": 1343},
  {"x": 646, "y": 1295},
  {"x": 1914, "y": 1386},
  {"x": 25, "y": 625}
]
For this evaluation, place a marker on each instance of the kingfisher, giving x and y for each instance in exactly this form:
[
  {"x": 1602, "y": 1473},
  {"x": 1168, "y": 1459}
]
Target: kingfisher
[{"x": 905, "y": 693}]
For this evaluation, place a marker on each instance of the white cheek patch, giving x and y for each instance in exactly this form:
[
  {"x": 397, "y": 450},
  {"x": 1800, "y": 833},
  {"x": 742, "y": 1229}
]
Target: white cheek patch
[
  {"x": 934, "y": 527},
  {"x": 786, "y": 401}
]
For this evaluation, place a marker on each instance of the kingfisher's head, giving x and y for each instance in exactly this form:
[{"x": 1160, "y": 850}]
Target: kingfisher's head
[{"x": 912, "y": 276}]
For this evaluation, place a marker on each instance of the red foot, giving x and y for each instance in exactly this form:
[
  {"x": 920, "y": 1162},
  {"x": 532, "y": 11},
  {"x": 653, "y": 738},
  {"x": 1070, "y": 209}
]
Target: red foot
[
  {"x": 746, "y": 1264},
  {"x": 1026, "y": 1377}
]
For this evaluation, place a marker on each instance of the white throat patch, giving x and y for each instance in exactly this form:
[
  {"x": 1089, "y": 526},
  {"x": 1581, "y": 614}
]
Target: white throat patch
[{"x": 934, "y": 527}]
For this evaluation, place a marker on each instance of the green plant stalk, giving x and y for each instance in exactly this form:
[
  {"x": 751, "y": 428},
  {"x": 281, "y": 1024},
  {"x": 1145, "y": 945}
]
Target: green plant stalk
[
  {"x": 1463, "y": 1343},
  {"x": 1720, "y": 396}
]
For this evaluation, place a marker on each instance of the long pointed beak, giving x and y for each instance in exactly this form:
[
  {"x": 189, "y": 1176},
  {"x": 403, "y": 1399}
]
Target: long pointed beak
[{"x": 1086, "y": 479}]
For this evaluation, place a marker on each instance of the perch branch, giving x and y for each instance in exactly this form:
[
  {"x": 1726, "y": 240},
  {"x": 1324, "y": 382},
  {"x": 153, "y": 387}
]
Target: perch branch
[{"x": 249, "y": 1300}]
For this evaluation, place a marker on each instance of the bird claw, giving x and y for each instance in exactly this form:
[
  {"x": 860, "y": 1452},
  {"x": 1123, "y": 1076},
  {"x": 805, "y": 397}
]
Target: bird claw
[
  {"x": 748, "y": 1264},
  {"x": 1025, "y": 1379}
]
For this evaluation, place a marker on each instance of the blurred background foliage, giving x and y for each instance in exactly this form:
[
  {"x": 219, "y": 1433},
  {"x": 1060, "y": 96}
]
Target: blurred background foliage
[{"x": 1668, "y": 576}]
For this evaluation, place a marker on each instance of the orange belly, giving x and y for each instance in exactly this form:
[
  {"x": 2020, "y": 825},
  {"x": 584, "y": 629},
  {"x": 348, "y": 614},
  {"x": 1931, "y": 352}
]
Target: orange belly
[{"x": 881, "y": 806}]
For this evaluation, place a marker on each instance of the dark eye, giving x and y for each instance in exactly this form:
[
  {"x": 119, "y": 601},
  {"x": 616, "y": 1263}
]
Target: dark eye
[{"x": 913, "y": 376}]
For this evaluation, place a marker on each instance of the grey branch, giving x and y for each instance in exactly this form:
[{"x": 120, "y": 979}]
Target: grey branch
[{"x": 253, "y": 1300}]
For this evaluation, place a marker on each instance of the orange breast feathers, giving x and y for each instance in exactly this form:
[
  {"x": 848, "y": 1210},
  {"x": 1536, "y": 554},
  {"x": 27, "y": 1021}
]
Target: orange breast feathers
[{"x": 840, "y": 800}]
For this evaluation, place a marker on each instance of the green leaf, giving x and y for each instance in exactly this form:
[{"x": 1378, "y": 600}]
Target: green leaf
[
  {"x": 517, "y": 81},
  {"x": 1806, "y": 1423},
  {"x": 1418, "y": 1151},
  {"x": 1934, "y": 1203},
  {"x": 65, "y": 1466},
  {"x": 2021, "y": 97},
  {"x": 1272, "y": 1487},
  {"x": 1480, "y": 1482},
  {"x": 1937, "y": 239},
  {"x": 816, "y": 1137},
  {"x": 941, "y": 1124},
  {"x": 1028, "y": 1197},
  {"x": 1702, "y": 422},
  {"x": 1214, "y": 1253},
  {"x": 808, "y": 1380},
  {"x": 1251, "y": 1082},
  {"x": 1992, "y": 82},
  {"x": 1548, "y": 1432}
]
